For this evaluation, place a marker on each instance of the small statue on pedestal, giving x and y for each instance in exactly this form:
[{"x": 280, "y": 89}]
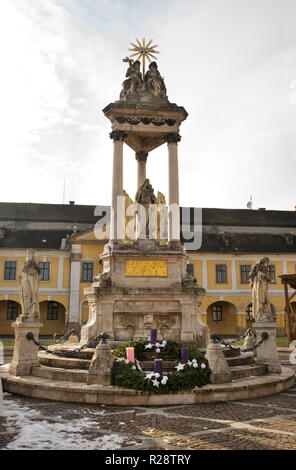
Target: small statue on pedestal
[
  {"x": 259, "y": 280},
  {"x": 29, "y": 287},
  {"x": 145, "y": 196}
]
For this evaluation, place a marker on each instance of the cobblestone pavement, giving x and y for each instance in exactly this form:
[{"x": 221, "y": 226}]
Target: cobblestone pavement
[{"x": 257, "y": 424}]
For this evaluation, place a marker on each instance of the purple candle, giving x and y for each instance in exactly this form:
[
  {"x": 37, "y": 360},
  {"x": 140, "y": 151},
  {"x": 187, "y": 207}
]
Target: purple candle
[
  {"x": 184, "y": 355},
  {"x": 158, "y": 366},
  {"x": 153, "y": 336}
]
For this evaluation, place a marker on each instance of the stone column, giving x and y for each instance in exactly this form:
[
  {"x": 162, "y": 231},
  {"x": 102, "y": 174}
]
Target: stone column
[
  {"x": 25, "y": 352},
  {"x": 117, "y": 179},
  {"x": 174, "y": 217},
  {"x": 141, "y": 158},
  {"x": 267, "y": 352}
]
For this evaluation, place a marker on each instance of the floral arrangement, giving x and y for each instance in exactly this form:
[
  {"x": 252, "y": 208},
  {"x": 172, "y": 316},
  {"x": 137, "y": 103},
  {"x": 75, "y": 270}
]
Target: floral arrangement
[
  {"x": 187, "y": 376},
  {"x": 159, "y": 347}
]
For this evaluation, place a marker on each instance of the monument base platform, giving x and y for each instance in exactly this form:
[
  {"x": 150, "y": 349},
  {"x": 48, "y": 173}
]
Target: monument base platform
[{"x": 77, "y": 392}]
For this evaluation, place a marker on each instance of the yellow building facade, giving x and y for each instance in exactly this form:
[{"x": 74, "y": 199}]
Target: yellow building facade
[{"x": 71, "y": 258}]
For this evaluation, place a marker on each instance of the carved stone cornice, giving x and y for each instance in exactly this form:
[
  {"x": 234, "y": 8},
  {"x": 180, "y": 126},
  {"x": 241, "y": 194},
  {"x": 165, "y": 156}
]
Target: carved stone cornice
[
  {"x": 173, "y": 137},
  {"x": 118, "y": 135},
  {"x": 141, "y": 156}
]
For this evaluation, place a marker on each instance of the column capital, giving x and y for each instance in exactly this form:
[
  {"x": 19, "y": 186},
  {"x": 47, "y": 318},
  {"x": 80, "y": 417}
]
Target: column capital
[
  {"x": 118, "y": 135},
  {"x": 173, "y": 137},
  {"x": 141, "y": 156}
]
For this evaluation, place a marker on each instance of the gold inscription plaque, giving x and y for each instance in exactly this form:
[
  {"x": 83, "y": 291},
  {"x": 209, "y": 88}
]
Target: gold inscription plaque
[{"x": 146, "y": 268}]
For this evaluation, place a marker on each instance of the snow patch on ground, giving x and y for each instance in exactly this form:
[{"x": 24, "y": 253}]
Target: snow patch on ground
[{"x": 33, "y": 431}]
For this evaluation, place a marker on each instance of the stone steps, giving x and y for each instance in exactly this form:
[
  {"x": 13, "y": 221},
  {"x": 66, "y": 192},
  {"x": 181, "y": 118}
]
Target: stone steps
[
  {"x": 58, "y": 373},
  {"x": 79, "y": 363},
  {"x": 241, "y": 360},
  {"x": 80, "y": 392},
  {"x": 49, "y": 360},
  {"x": 241, "y": 372},
  {"x": 80, "y": 375}
]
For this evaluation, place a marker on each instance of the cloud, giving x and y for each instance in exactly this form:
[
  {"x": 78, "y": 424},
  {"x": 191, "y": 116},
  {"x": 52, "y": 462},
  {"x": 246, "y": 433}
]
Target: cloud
[{"x": 230, "y": 63}]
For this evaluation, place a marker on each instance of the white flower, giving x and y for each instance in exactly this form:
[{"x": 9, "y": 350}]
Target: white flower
[
  {"x": 180, "y": 366},
  {"x": 127, "y": 361},
  {"x": 164, "y": 342},
  {"x": 194, "y": 360},
  {"x": 164, "y": 380},
  {"x": 157, "y": 345},
  {"x": 157, "y": 350},
  {"x": 150, "y": 375},
  {"x": 134, "y": 368},
  {"x": 148, "y": 346},
  {"x": 157, "y": 375},
  {"x": 203, "y": 366},
  {"x": 189, "y": 363},
  {"x": 138, "y": 365},
  {"x": 155, "y": 383},
  {"x": 165, "y": 377},
  {"x": 195, "y": 365}
]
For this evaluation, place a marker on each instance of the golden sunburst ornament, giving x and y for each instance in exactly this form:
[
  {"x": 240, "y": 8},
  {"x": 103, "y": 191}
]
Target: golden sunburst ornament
[{"x": 141, "y": 51}]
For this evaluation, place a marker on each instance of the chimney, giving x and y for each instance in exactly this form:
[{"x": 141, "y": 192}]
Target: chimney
[{"x": 71, "y": 203}]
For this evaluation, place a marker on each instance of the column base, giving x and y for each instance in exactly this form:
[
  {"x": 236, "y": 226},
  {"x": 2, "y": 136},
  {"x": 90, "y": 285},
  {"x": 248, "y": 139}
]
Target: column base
[
  {"x": 221, "y": 372},
  {"x": 25, "y": 353},
  {"x": 100, "y": 371},
  {"x": 267, "y": 352}
]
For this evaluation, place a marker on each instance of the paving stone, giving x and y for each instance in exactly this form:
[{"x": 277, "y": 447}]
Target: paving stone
[
  {"x": 158, "y": 427},
  {"x": 279, "y": 401},
  {"x": 226, "y": 411},
  {"x": 153, "y": 425},
  {"x": 287, "y": 424},
  {"x": 234, "y": 440}
]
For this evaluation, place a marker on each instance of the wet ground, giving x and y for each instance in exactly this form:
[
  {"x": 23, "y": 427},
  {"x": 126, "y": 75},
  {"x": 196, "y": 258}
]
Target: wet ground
[{"x": 257, "y": 424}]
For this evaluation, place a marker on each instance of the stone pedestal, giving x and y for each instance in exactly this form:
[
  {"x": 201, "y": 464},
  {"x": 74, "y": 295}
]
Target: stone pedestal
[
  {"x": 25, "y": 353},
  {"x": 267, "y": 352},
  {"x": 100, "y": 371},
  {"x": 147, "y": 289},
  {"x": 221, "y": 372}
]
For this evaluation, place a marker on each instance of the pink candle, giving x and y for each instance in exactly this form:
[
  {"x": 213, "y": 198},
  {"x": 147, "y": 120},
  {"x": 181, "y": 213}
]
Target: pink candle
[{"x": 130, "y": 354}]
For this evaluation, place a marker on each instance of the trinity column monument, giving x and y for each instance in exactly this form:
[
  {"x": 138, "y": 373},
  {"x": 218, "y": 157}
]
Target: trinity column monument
[{"x": 145, "y": 281}]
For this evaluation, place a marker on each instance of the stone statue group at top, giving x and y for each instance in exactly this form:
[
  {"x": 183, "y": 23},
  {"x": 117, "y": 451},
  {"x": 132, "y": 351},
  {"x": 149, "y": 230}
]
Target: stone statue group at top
[{"x": 135, "y": 87}]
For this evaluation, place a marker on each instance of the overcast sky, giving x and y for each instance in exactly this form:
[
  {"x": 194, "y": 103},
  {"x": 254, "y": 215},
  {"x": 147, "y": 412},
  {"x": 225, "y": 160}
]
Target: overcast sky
[{"x": 230, "y": 63}]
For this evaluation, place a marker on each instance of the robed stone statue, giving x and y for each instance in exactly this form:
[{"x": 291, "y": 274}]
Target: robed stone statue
[
  {"x": 259, "y": 280},
  {"x": 29, "y": 287}
]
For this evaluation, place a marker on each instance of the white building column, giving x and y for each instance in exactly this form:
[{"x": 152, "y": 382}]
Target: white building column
[
  {"x": 141, "y": 158},
  {"x": 117, "y": 179},
  {"x": 173, "y": 171},
  {"x": 233, "y": 275},
  {"x": 204, "y": 274},
  {"x": 74, "y": 307}
]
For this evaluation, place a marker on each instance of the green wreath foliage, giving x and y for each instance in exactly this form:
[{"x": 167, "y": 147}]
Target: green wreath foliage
[{"x": 187, "y": 379}]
